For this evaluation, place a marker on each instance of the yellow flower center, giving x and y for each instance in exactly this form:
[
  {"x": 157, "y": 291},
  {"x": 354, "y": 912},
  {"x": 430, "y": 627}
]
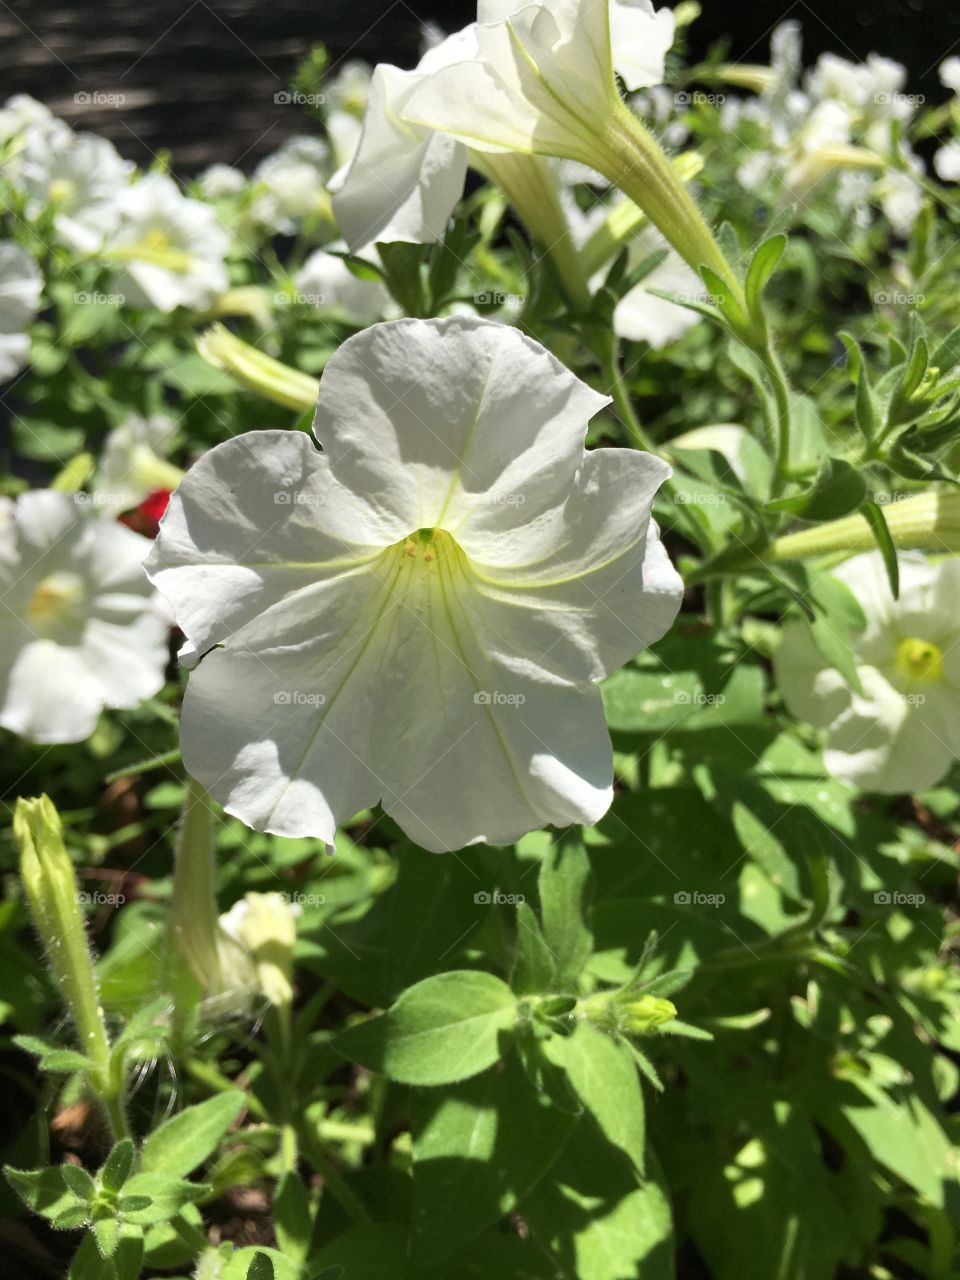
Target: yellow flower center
[
  {"x": 60, "y": 190},
  {"x": 919, "y": 660},
  {"x": 157, "y": 238},
  {"x": 55, "y": 599}
]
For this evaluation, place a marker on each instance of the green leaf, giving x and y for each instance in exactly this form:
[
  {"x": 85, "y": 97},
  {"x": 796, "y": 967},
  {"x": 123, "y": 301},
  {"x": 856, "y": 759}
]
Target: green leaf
[
  {"x": 376, "y": 1251},
  {"x": 564, "y": 884},
  {"x": 52, "y": 1057},
  {"x": 106, "y": 1233},
  {"x": 479, "y": 1149},
  {"x": 875, "y": 518},
  {"x": 602, "y": 1074},
  {"x": 186, "y": 1140},
  {"x": 116, "y": 1168},
  {"x": 79, "y": 1181},
  {"x": 292, "y": 1217},
  {"x": 534, "y": 971},
  {"x": 443, "y": 1029},
  {"x": 46, "y": 1192},
  {"x": 261, "y": 1268},
  {"x": 89, "y": 1264},
  {"x": 153, "y": 1197},
  {"x": 762, "y": 266},
  {"x": 837, "y": 490}
]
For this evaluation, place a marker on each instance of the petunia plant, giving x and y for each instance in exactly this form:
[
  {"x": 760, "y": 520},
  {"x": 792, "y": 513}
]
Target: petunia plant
[{"x": 480, "y": 678}]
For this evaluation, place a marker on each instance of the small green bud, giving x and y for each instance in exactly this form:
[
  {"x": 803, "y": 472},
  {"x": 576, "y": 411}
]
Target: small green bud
[{"x": 646, "y": 1013}]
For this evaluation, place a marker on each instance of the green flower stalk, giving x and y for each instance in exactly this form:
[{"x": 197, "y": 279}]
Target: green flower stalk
[
  {"x": 257, "y": 371},
  {"x": 193, "y": 912},
  {"x": 53, "y": 894},
  {"x": 924, "y": 522}
]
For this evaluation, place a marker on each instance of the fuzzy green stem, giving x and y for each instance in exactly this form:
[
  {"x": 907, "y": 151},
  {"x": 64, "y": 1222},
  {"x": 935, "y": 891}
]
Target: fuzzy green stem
[
  {"x": 193, "y": 910},
  {"x": 633, "y": 161},
  {"x": 54, "y": 896},
  {"x": 781, "y": 396}
]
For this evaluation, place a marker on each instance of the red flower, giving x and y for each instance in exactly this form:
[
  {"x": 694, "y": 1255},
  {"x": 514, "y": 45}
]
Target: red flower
[{"x": 146, "y": 518}]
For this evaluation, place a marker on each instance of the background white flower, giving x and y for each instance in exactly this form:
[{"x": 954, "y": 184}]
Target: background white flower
[
  {"x": 79, "y": 626},
  {"x": 640, "y": 315},
  {"x": 133, "y": 463},
  {"x": 172, "y": 247},
  {"x": 291, "y": 185},
  {"x": 417, "y": 614},
  {"x": 902, "y": 732},
  {"x": 327, "y": 282},
  {"x": 79, "y": 176},
  {"x": 21, "y": 284},
  {"x": 257, "y": 950}
]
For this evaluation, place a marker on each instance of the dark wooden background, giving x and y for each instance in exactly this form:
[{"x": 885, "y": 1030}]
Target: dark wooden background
[{"x": 199, "y": 76}]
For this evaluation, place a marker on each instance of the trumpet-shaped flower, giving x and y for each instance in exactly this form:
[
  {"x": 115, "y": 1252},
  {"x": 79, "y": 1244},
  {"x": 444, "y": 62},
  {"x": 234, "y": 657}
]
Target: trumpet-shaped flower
[
  {"x": 418, "y": 613},
  {"x": 256, "y": 949},
  {"x": 171, "y": 247},
  {"x": 407, "y": 174},
  {"x": 901, "y": 730},
  {"x": 20, "y": 287},
  {"x": 80, "y": 629}
]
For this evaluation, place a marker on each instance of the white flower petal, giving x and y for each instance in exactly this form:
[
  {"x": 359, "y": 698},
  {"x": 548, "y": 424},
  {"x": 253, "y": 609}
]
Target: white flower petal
[
  {"x": 812, "y": 690},
  {"x": 640, "y": 39}
]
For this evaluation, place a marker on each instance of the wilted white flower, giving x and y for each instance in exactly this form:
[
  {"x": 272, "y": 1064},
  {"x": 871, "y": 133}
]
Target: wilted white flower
[
  {"x": 79, "y": 177},
  {"x": 80, "y": 630},
  {"x": 291, "y": 185},
  {"x": 418, "y": 613},
  {"x": 256, "y": 951},
  {"x": 172, "y": 248},
  {"x": 21, "y": 284},
  {"x": 134, "y": 463},
  {"x": 327, "y": 281},
  {"x": 902, "y": 732}
]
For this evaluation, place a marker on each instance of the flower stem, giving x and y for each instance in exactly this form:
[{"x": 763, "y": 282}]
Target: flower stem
[
  {"x": 924, "y": 522},
  {"x": 781, "y": 433}
]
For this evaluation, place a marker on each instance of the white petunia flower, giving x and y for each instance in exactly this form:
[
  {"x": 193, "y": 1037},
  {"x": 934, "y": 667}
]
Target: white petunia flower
[
  {"x": 327, "y": 282},
  {"x": 172, "y": 248},
  {"x": 21, "y": 284},
  {"x": 220, "y": 180},
  {"x": 901, "y": 199},
  {"x": 407, "y": 174},
  {"x": 256, "y": 951},
  {"x": 79, "y": 177},
  {"x": 21, "y": 112},
  {"x": 417, "y": 614},
  {"x": 946, "y": 162},
  {"x": 640, "y": 315},
  {"x": 950, "y": 74},
  {"x": 903, "y": 731},
  {"x": 346, "y": 96},
  {"x": 79, "y": 629},
  {"x": 291, "y": 185},
  {"x": 134, "y": 463}
]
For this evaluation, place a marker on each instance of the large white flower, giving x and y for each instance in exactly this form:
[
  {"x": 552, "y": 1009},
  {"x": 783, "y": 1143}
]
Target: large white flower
[
  {"x": 407, "y": 174},
  {"x": 902, "y": 732},
  {"x": 79, "y": 629},
  {"x": 80, "y": 177},
  {"x": 21, "y": 284},
  {"x": 172, "y": 247},
  {"x": 418, "y": 613}
]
